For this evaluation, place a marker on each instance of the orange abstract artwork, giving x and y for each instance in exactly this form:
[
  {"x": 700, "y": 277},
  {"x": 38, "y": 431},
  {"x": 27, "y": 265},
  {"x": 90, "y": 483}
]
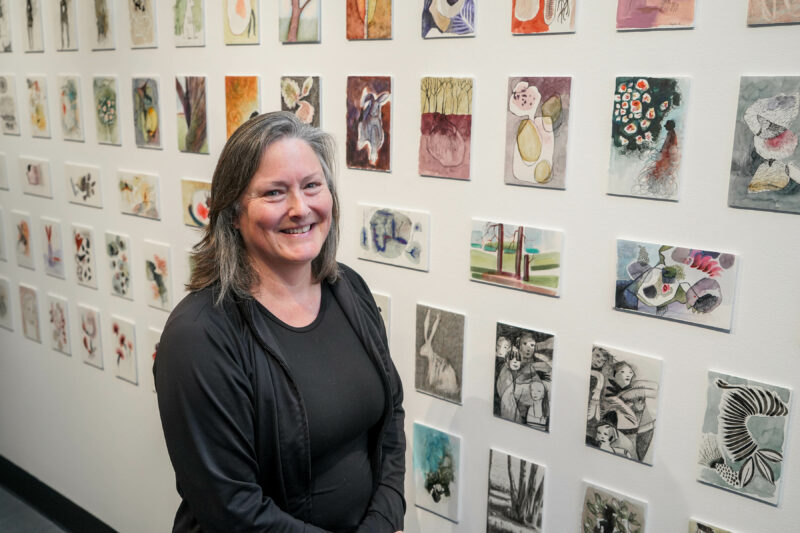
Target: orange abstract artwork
[
  {"x": 241, "y": 100},
  {"x": 369, "y": 19}
]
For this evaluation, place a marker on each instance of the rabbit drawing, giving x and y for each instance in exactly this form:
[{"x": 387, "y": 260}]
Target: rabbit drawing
[
  {"x": 441, "y": 377},
  {"x": 370, "y": 126}
]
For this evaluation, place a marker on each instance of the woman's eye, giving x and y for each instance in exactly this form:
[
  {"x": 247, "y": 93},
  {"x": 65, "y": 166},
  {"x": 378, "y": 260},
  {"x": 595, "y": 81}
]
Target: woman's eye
[
  {"x": 272, "y": 193},
  {"x": 313, "y": 185}
]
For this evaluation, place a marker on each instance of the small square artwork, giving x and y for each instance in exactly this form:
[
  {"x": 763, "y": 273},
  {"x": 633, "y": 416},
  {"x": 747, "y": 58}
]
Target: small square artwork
[
  {"x": 647, "y": 133},
  {"x": 191, "y": 105},
  {"x": 84, "y": 250},
  {"x": 189, "y": 26},
  {"x": 299, "y": 22},
  {"x": 89, "y": 345},
  {"x": 534, "y": 16},
  {"x": 69, "y": 93},
  {"x": 240, "y": 21},
  {"x": 123, "y": 349},
  {"x": 369, "y": 122},
  {"x": 66, "y": 15},
  {"x": 52, "y": 247},
  {"x": 158, "y": 273},
  {"x": 23, "y": 231},
  {"x": 84, "y": 186},
  {"x": 761, "y": 12},
  {"x": 35, "y": 176},
  {"x": 146, "y": 121},
  {"x": 765, "y": 166},
  {"x": 142, "y": 20},
  {"x": 536, "y": 131},
  {"x": 241, "y": 101},
  {"x": 654, "y": 14},
  {"x": 195, "y": 194},
  {"x": 59, "y": 323},
  {"x": 5, "y": 27},
  {"x": 37, "y": 106},
  {"x": 300, "y": 95},
  {"x": 519, "y": 257},
  {"x": 439, "y": 353},
  {"x": 683, "y": 284},
  {"x": 153, "y": 339},
  {"x": 602, "y": 506},
  {"x": 369, "y": 19},
  {"x": 384, "y": 303},
  {"x": 394, "y": 236},
  {"x": 31, "y": 18},
  {"x": 623, "y": 403},
  {"x": 106, "y": 115},
  {"x": 743, "y": 438},
  {"x": 6, "y": 310},
  {"x": 138, "y": 194},
  {"x": 9, "y": 118},
  {"x": 516, "y": 494},
  {"x": 118, "y": 255},
  {"x": 29, "y": 304},
  {"x": 523, "y": 376},
  {"x": 436, "y": 475},
  {"x": 700, "y": 527},
  {"x": 102, "y": 24},
  {"x": 446, "y": 127},
  {"x": 448, "y": 19}
]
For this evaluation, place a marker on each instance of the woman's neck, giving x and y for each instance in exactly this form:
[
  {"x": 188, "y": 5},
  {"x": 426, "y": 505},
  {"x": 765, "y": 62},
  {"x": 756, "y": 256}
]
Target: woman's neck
[{"x": 293, "y": 297}]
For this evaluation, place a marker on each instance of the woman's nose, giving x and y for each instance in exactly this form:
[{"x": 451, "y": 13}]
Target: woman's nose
[{"x": 298, "y": 205}]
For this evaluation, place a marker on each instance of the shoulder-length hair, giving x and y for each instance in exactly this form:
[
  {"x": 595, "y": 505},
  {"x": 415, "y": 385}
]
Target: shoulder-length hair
[{"x": 220, "y": 257}]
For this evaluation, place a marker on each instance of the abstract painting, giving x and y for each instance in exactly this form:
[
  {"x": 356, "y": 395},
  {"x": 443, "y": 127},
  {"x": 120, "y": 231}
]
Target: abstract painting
[
  {"x": 153, "y": 338},
  {"x": 138, "y": 194},
  {"x": 394, "y": 236},
  {"x": 106, "y": 117},
  {"x": 369, "y": 122},
  {"x": 299, "y": 21},
  {"x": 6, "y": 311},
  {"x": 123, "y": 335},
  {"x": 542, "y": 16},
  {"x": 143, "y": 23},
  {"x": 446, "y": 127},
  {"x": 447, "y": 18},
  {"x": 189, "y": 23},
  {"x": 439, "y": 353},
  {"x": 52, "y": 247},
  {"x": 103, "y": 28},
  {"x": 84, "y": 256},
  {"x": 191, "y": 105},
  {"x": 118, "y": 254},
  {"x": 683, "y": 284},
  {"x": 623, "y": 403},
  {"x": 300, "y": 95},
  {"x": 241, "y": 21},
  {"x": 35, "y": 176},
  {"x": 59, "y": 324},
  {"x": 83, "y": 185},
  {"x": 8, "y": 105},
  {"x": 37, "y": 106},
  {"x": 195, "y": 195},
  {"x": 241, "y": 101},
  {"x": 146, "y": 118},
  {"x": 21, "y": 227},
  {"x": 765, "y": 166},
  {"x": 436, "y": 476},
  {"x": 523, "y": 376},
  {"x": 29, "y": 304},
  {"x": 384, "y": 303},
  {"x": 647, "y": 137},
  {"x": 604, "y": 510},
  {"x": 654, "y": 14},
  {"x": 744, "y": 436},
  {"x": 158, "y": 272},
  {"x": 67, "y": 17},
  {"x": 5, "y": 26},
  {"x": 516, "y": 494},
  {"x": 518, "y": 257},
  {"x": 89, "y": 346},
  {"x": 536, "y": 131},
  {"x": 700, "y": 527},
  {"x": 69, "y": 92},
  {"x": 773, "y": 12},
  {"x": 33, "y": 40},
  {"x": 369, "y": 19}
]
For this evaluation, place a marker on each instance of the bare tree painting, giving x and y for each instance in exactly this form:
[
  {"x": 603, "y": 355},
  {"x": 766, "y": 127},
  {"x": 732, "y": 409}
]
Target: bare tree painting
[{"x": 516, "y": 494}]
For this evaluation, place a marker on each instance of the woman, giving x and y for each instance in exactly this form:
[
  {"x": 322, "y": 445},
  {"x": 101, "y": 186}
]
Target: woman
[{"x": 281, "y": 407}]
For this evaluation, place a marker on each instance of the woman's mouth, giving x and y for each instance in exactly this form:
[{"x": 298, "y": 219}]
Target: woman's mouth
[{"x": 294, "y": 231}]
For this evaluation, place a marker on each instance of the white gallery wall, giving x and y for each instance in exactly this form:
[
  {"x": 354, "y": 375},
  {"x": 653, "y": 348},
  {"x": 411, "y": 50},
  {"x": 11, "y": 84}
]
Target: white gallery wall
[{"x": 97, "y": 439}]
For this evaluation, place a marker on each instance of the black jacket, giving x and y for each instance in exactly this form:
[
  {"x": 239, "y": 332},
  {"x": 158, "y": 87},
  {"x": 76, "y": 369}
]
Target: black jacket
[{"x": 235, "y": 423}]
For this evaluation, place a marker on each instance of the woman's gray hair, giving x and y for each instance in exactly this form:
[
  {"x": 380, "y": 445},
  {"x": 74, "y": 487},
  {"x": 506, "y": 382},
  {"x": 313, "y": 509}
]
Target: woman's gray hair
[{"x": 220, "y": 257}]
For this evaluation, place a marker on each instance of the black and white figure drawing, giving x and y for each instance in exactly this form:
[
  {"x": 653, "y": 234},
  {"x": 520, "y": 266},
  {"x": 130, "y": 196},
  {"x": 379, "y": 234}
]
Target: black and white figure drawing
[
  {"x": 516, "y": 494},
  {"x": 66, "y": 17},
  {"x": 440, "y": 353}
]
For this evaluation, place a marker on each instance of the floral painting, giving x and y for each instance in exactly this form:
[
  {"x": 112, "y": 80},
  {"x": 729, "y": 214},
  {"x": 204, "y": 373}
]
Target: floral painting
[
  {"x": 446, "y": 127},
  {"x": 369, "y": 122},
  {"x": 118, "y": 250},
  {"x": 105, "y": 110},
  {"x": 84, "y": 256},
  {"x": 102, "y": 32},
  {"x": 22, "y": 229},
  {"x": 35, "y": 176},
  {"x": 448, "y": 18},
  {"x": 9, "y": 119},
  {"x": 37, "y": 106},
  {"x": 138, "y": 194},
  {"x": 299, "y": 21},
  {"x": 542, "y": 16},
  {"x": 189, "y": 26},
  {"x": 59, "y": 324},
  {"x": 142, "y": 18},
  {"x": 613, "y": 511},
  {"x": 29, "y": 304},
  {"x": 123, "y": 349},
  {"x": 84, "y": 186},
  {"x": 89, "y": 345},
  {"x": 52, "y": 247},
  {"x": 6, "y": 311},
  {"x": 435, "y": 471},
  {"x": 195, "y": 195},
  {"x": 394, "y": 236},
  {"x": 369, "y": 19},
  {"x": 241, "y": 101},
  {"x": 240, "y": 21},
  {"x": 158, "y": 273},
  {"x": 146, "y": 118},
  {"x": 192, "y": 122},
  {"x": 69, "y": 92},
  {"x": 300, "y": 95}
]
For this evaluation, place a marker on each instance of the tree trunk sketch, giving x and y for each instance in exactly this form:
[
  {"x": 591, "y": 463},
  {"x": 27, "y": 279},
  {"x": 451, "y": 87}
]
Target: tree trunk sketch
[
  {"x": 294, "y": 22},
  {"x": 525, "y": 498},
  {"x": 193, "y": 100}
]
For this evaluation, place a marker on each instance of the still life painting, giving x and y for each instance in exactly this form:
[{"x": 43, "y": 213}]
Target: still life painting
[
  {"x": 35, "y": 176},
  {"x": 192, "y": 121},
  {"x": 369, "y": 122},
  {"x": 439, "y": 353},
  {"x": 300, "y": 95},
  {"x": 654, "y": 14},
  {"x": 241, "y": 101},
  {"x": 189, "y": 23},
  {"x": 67, "y": 36},
  {"x": 69, "y": 89},
  {"x": 157, "y": 269},
  {"x": 8, "y": 105},
  {"x": 37, "y": 106},
  {"x": 146, "y": 118},
  {"x": 89, "y": 346},
  {"x": 33, "y": 40},
  {"x": 84, "y": 250},
  {"x": 299, "y": 21},
  {"x": 616, "y": 513},
  {"x": 6, "y": 311},
  {"x": 394, "y": 236},
  {"x": 773, "y": 12},
  {"x": 542, "y": 16},
  {"x": 446, "y": 127},
  {"x": 106, "y": 117},
  {"x": 29, "y": 304},
  {"x": 59, "y": 324},
  {"x": 195, "y": 209},
  {"x": 142, "y": 23},
  {"x": 123, "y": 346},
  {"x": 240, "y": 23},
  {"x": 102, "y": 33},
  {"x": 369, "y": 19},
  {"x": 52, "y": 247},
  {"x": 83, "y": 185},
  {"x": 516, "y": 494},
  {"x": 435, "y": 470},
  {"x": 448, "y": 18},
  {"x": 22, "y": 229},
  {"x": 118, "y": 255},
  {"x": 138, "y": 194}
]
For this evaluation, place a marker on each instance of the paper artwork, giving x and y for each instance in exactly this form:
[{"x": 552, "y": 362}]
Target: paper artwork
[
  {"x": 83, "y": 185},
  {"x": 67, "y": 16},
  {"x": 5, "y": 26},
  {"x": 89, "y": 345},
  {"x": 105, "y": 110},
  {"x": 102, "y": 22},
  {"x": 143, "y": 23},
  {"x": 59, "y": 324},
  {"x": 523, "y": 376},
  {"x": 158, "y": 273},
  {"x": 146, "y": 117},
  {"x": 683, "y": 284},
  {"x": 446, "y": 18},
  {"x": 241, "y": 101},
  {"x": 189, "y": 22},
  {"x": 8, "y": 104},
  {"x": 536, "y": 131},
  {"x": 138, "y": 194},
  {"x": 29, "y": 304},
  {"x": 765, "y": 166},
  {"x": 700, "y": 527},
  {"x": 6, "y": 311},
  {"x": 436, "y": 475},
  {"x": 369, "y": 19},
  {"x": 439, "y": 353},
  {"x": 37, "y": 106},
  {"x": 52, "y": 247},
  {"x": 542, "y": 16},
  {"x": 300, "y": 95},
  {"x": 84, "y": 252},
  {"x": 654, "y": 14},
  {"x": 299, "y": 21},
  {"x": 118, "y": 255},
  {"x": 773, "y": 12},
  {"x": 123, "y": 349},
  {"x": 369, "y": 122},
  {"x": 35, "y": 176},
  {"x": 602, "y": 506},
  {"x": 241, "y": 21},
  {"x": 516, "y": 494},
  {"x": 195, "y": 195},
  {"x": 69, "y": 91},
  {"x": 153, "y": 339},
  {"x": 192, "y": 122},
  {"x": 32, "y": 15},
  {"x": 384, "y": 303},
  {"x": 743, "y": 439},
  {"x": 21, "y": 227},
  {"x": 394, "y": 236},
  {"x": 446, "y": 127}
]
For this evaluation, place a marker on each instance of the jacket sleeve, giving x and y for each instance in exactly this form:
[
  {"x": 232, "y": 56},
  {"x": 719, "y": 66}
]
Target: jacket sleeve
[{"x": 206, "y": 404}]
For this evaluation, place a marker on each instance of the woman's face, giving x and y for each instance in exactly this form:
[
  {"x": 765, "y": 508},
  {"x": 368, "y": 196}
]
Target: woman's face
[
  {"x": 623, "y": 376},
  {"x": 537, "y": 390},
  {"x": 604, "y": 434},
  {"x": 503, "y": 346},
  {"x": 527, "y": 348},
  {"x": 598, "y": 359}
]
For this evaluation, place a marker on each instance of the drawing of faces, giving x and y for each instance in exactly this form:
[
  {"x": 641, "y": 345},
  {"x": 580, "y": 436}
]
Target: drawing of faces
[
  {"x": 605, "y": 434},
  {"x": 503, "y": 347},
  {"x": 623, "y": 375},
  {"x": 537, "y": 390},
  {"x": 527, "y": 347}
]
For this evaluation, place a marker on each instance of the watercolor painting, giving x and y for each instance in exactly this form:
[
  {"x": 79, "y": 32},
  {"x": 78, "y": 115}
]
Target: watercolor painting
[
  {"x": 8, "y": 105},
  {"x": 446, "y": 127},
  {"x": 523, "y": 376},
  {"x": 59, "y": 324},
  {"x": 3, "y": 253},
  {"x": 138, "y": 194},
  {"x": 369, "y": 19},
  {"x": 67, "y": 17},
  {"x": 106, "y": 116},
  {"x": 89, "y": 346},
  {"x": 516, "y": 494},
  {"x": 604, "y": 510},
  {"x": 384, "y": 303},
  {"x": 439, "y": 353},
  {"x": 35, "y": 176},
  {"x": 143, "y": 23},
  {"x": 84, "y": 256},
  {"x": 623, "y": 403},
  {"x": 69, "y": 90},
  {"x": 765, "y": 165},
  {"x": 369, "y": 122},
  {"x": 700, "y": 527},
  {"x": 536, "y": 131},
  {"x": 654, "y": 14},
  {"x": 743, "y": 439},
  {"x": 37, "y": 106},
  {"x": 123, "y": 335},
  {"x": 542, "y": 16},
  {"x": 33, "y": 40},
  {"x": 118, "y": 255},
  {"x": 299, "y": 21},
  {"x": 519, "y": 257},
  {"x": 760, "y": 12},
  {"x": 29, "y": 304},
  {"x": 394, "y": 236},
  {"x": 6, "y": 310},
  {"x": 153, "y": 339},
  {"x": 103, "y": 35},
  {"x": 192, "y": 123},
  {"x": 683, "y": 284},
  {"x": 241, "y": 21},
  {"x": 195, "y": 194},
  {"x": 146, "y": 118},
  {"x": 189, "y": 28},
  {"x": 448, "y": 18},
  {"x": 158, "y": 272},
  {"x": 435, "y": 472},
  {"x": 241, "y": 101},
  {"x": 647, "y": 137},
  {"x": 52, "y": 247},
  {"x": 21, "y": 227},
  {"x": 5, "y": 26},
  {"x": 83, "y": 185},
  {"x": 300, "y": 95}
]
